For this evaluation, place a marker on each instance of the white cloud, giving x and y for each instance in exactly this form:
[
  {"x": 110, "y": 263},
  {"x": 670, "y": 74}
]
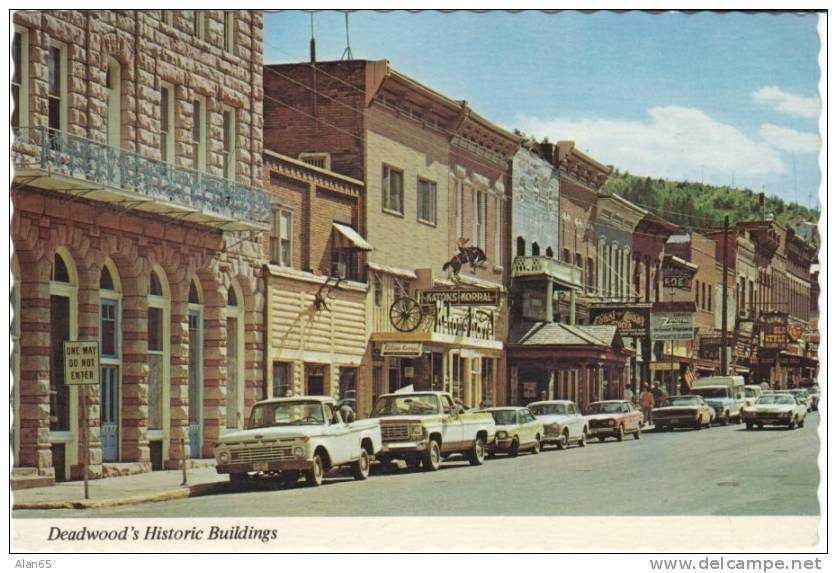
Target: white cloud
[
  {"x": 788, "y": 103},
  {"x": 674, "y": 143},
  {"x": 790, "y": 140}
]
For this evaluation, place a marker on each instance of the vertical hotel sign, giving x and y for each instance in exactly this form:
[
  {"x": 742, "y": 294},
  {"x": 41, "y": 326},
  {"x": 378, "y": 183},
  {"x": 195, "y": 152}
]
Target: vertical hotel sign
[{"x": 774, "y": 328}]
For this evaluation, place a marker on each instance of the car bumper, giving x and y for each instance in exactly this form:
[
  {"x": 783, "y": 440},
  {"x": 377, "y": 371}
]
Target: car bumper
[
  {"x": 497, "y": 445},
  {"x": 397, "y": 449},
  {"x": 678, "y": 421},
  {"x": 603, "y": 431},
  {"x": 277, "y": 466},
  {"x": 769, "y": 420}
]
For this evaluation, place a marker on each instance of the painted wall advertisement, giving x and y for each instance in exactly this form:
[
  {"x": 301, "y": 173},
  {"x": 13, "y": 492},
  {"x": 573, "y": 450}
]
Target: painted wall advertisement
[
  {"x": 632, "y": 320},
  {"x": 672, "y": 326}
]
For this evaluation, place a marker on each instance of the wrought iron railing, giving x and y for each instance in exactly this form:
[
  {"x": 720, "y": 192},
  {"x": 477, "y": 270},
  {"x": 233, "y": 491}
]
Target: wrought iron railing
[{"x": 92, "y": 161}]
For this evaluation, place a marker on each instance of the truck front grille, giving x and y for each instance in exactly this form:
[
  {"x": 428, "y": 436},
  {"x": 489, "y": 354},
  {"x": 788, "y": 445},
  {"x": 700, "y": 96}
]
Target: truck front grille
[
  {"x": 261, "y": 454},
  {"x": 395, "y": 432}
]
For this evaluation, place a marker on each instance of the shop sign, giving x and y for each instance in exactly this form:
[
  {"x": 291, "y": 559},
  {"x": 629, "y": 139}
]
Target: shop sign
[
  {"x": 460, "y": 297},
  {"x": 672, "y": 326},
  {"x": 794, "y": 332},
  {"x": 664, "y": 366},
  {"x": 81, "y": 363},
  {"x": 774, "y": 330},
  {"x": 677, "y": 277},
  {"x": 710, "y": 348},
  {"x": 813, "y": 348},
  {"x": 403, "y": 349},
  {"x": 631, "y": 320}
]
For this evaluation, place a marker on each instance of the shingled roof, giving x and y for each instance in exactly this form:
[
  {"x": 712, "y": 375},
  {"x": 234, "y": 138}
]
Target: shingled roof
[{"x": 557, "y": 334}]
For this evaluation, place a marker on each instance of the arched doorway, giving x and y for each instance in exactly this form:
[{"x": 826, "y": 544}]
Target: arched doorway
[
  {"x": 235, "y": 358},
  {"x": 110, "y": 361},
  {"x": 159, "y": 366},
  {"x": 195, "y": 318}
]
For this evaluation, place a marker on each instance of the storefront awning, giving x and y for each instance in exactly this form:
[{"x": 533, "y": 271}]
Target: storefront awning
[{"x": 354, "y": 237}]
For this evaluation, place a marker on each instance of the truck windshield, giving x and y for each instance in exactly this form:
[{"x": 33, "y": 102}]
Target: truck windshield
[
  {"x": 681, "y": 401},
  {"x": 504, "y": 417},
  {"x": 775, "y": 399},
  {"x": 296, "y": 413},
  {"x": 749, "y": 392},
  {"x": 711, "y": 392},
  {"x": 548, "y": 409},
  {"x": 418, "y": 404}
]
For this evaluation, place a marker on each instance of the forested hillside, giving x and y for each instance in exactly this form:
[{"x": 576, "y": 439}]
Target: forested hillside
[{"x": 700, "y": 206}]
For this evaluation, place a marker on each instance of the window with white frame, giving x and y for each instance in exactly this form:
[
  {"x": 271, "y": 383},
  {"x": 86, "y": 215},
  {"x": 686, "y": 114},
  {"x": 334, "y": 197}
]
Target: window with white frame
[
  {"x": 426, "y": 195},
  {"x": 320, "y": 160},
  {"x": 57, "y": 87},
  {"x": 20, "y": 77},
  {"x": 229, "y": 143},
  {"x": 167, "y": 123},
  {"x": 280, "y": 239},
  {"x": 199, "y": 134},
  {"x": 479, "y": 219},
  {"x": 229, "y": 30},
  {"x": 393, "y": 190},
  {"x": 498, "y": 229},
  {"x": 158, "y": 349}
]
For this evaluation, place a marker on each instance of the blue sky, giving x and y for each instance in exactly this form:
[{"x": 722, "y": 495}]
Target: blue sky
[{"x": 712, "y": 97}]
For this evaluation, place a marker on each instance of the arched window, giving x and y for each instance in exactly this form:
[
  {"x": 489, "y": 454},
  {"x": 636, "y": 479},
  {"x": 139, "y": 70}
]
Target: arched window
[
  {"x": 63, "y": 326},
  {"x": 536, "y": 250},
  {"x": 195, "y": 390},
  {"x": 235, "y": 358},
  {"x": 159, "y": 353},
  {"x": 549, "y": 252},
  {"x": 110, "y": 361},
  {"x": 520, "y": 249}
]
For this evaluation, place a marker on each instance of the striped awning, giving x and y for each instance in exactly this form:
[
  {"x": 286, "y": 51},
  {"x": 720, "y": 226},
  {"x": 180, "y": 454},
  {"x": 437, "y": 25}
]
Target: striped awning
[{"x": 353, "y": 237}]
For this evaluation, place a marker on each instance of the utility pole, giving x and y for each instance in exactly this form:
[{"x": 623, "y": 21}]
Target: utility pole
[{"x": 724, "y": 357}]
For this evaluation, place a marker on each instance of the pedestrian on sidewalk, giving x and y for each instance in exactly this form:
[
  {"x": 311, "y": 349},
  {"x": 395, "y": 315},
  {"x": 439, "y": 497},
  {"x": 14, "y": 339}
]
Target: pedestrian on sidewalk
[
  {"x": 629, "y": 394},
  {"x": 646, "y": 402}
]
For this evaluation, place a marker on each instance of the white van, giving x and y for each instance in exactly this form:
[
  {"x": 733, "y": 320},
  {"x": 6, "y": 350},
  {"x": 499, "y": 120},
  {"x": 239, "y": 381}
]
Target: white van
[{"x": 725, "y": 394}]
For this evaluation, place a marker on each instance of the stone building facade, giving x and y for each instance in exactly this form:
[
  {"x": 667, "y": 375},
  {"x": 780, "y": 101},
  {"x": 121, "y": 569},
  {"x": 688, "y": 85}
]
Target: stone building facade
[{"x": 138, "y": 222}]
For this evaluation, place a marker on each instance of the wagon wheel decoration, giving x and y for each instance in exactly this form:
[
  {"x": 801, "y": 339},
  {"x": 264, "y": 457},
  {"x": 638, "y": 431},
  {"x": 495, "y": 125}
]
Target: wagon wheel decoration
[{"x": 405, "y": 314}]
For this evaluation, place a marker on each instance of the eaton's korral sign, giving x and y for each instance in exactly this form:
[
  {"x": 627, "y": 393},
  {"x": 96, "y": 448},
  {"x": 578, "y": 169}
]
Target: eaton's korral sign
[{"x": 81, "y": 362}]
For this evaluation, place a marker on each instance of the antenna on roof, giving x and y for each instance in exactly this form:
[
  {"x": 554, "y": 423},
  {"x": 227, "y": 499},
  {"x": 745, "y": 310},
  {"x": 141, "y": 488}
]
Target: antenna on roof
[
  {"x": 347, "y": 53},
  {"x": 313, "y": 43}
]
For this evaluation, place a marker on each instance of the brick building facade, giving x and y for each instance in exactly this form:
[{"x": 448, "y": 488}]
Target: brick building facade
[{"x": 138, "y": 221}]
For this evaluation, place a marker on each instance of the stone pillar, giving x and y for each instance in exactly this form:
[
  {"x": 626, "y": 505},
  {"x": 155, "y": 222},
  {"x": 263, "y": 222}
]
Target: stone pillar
[
  {"x": 33, "y": 408},
  {"x": 89, "y": 399},
  {"x": 135, "y": 371},
  {"x": 214, "y": 372},
  {"x": 572, "y": 307},
  {"x": 179, "y": 381},
  {"x": 548, "y": 305}
]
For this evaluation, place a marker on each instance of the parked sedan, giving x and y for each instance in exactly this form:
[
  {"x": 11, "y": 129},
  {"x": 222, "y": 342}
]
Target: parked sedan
[
  {"x": 683, "y": 412},
  {"x": 517, "y": 429},
  {"x": 563, "y": 423},
  {"x": 802, "y": 394},
  {"x": 613, "y": 418},
  {"x": 776, "y": 410}
]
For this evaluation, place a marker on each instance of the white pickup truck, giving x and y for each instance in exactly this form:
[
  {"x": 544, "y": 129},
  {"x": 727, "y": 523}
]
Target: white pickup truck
[
  {"x": 292, "y": 437},
  {"x": 423, "y": 427}
]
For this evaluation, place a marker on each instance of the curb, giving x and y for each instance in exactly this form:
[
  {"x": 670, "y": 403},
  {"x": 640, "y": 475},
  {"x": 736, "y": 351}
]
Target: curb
[{"x": 165, "y": 495}]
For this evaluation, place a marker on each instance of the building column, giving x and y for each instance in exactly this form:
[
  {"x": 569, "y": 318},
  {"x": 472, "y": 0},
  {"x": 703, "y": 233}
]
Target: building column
[
  {"x": 179, "y": 382},
  {"x": 214, "y": 371},
  {"x": 89, "y": 423},
  {"x": 572, "y": 307},
  {"x": 135, "y": 371},
  {"x": 550, "y": 289}
]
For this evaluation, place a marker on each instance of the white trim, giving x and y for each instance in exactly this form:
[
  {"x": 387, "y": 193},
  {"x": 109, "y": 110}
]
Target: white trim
[
  {"x": 237, "y": 313},
  {"x": 169, "y": 123},
  {"x": 63, "y": 89},
  {"x": 114, "y": 103},
  {"x": 229, "y": 151},
  {"x": 23, "y": 93},
  {"x": 200, "y": 153},
  {"x": 229, "y": 30},
  {"x": 163, "y": 302}
]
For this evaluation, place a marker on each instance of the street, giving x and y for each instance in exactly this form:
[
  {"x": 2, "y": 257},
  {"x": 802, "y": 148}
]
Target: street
[{"x": 719, "y": 471}]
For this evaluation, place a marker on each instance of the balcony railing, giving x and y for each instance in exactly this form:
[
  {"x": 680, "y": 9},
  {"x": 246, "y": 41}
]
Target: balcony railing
[
  {"x": 544, "y": 266},
  {"x": 131, "y": 179}
]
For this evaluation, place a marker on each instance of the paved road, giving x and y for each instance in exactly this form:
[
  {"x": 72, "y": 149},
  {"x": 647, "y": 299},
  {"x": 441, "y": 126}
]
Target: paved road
[{"x": 720, "y": 471}]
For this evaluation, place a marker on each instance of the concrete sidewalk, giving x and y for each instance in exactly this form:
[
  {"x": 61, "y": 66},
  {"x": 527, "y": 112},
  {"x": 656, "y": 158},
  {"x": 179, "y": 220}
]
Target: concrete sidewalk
[{"x": 108, "y": 492}]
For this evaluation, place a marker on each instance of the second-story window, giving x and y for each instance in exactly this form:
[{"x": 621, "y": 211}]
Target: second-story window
[
  {"x": 229, "y": 30},
  {"x": 426, "y": 194},
  {"x": 114, "y": 117},
  {"x": 479, "y": 219},
  {"x": 20, "y": 78},
  {"x": 229, "y": 144},
  {"x": 280, "y": 240},
  {"x": 166, "y": 124},
  {"x": 393, "y": 190},
  {"x": 57, "y": 93},
  {"x": 199, "y": 135}
]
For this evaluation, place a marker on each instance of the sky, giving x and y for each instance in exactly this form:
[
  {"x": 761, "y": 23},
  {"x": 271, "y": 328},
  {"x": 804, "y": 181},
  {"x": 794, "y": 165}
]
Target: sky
[{"x": 720, "y": 98}]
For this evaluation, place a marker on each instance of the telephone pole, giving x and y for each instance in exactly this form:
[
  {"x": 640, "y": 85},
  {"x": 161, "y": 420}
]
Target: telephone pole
[{"x": 724, "y": 357}]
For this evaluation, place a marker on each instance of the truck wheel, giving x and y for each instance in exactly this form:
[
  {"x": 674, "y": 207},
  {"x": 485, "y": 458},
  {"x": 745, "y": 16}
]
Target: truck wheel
[
  {"x": 477, "y": 454},
  {"x": 514, "y": 449},
  {"x": 536, "y": 449},
  {"x": 698, "y": 424},
  {"x": 314, "y": 476},
  {"x": 792, "y": 424},
  {"x": 432, "y": 458},
  {"x": 638, "y": 433},
  {"x": 413, "y": 462},
  {"x": 564, "y": 440},
  {"x": 582, "y": 441},
  {"x": 620, "y": 434},
  {"x": 360, "y": 469},
  {"x": 725, "y": 419}
]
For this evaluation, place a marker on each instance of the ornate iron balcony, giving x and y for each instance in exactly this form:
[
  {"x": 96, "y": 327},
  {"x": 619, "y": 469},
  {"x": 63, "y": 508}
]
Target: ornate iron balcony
[
  {"x": 66, "y": 163},
  {"x": 544, "y": 266}
]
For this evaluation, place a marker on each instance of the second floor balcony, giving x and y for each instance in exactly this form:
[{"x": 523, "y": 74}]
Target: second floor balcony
[
  {"x": 62, "y": 163},
  {"x": 564, "y": 273}
]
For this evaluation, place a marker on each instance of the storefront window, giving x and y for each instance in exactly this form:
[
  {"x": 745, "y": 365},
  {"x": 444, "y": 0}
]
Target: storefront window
[{"x": 282, "y": 380}]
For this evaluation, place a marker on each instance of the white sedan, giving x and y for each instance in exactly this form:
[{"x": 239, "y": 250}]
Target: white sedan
[
  {"x": 776, "y": 410},
  {"x": 563, "y": 422}
]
